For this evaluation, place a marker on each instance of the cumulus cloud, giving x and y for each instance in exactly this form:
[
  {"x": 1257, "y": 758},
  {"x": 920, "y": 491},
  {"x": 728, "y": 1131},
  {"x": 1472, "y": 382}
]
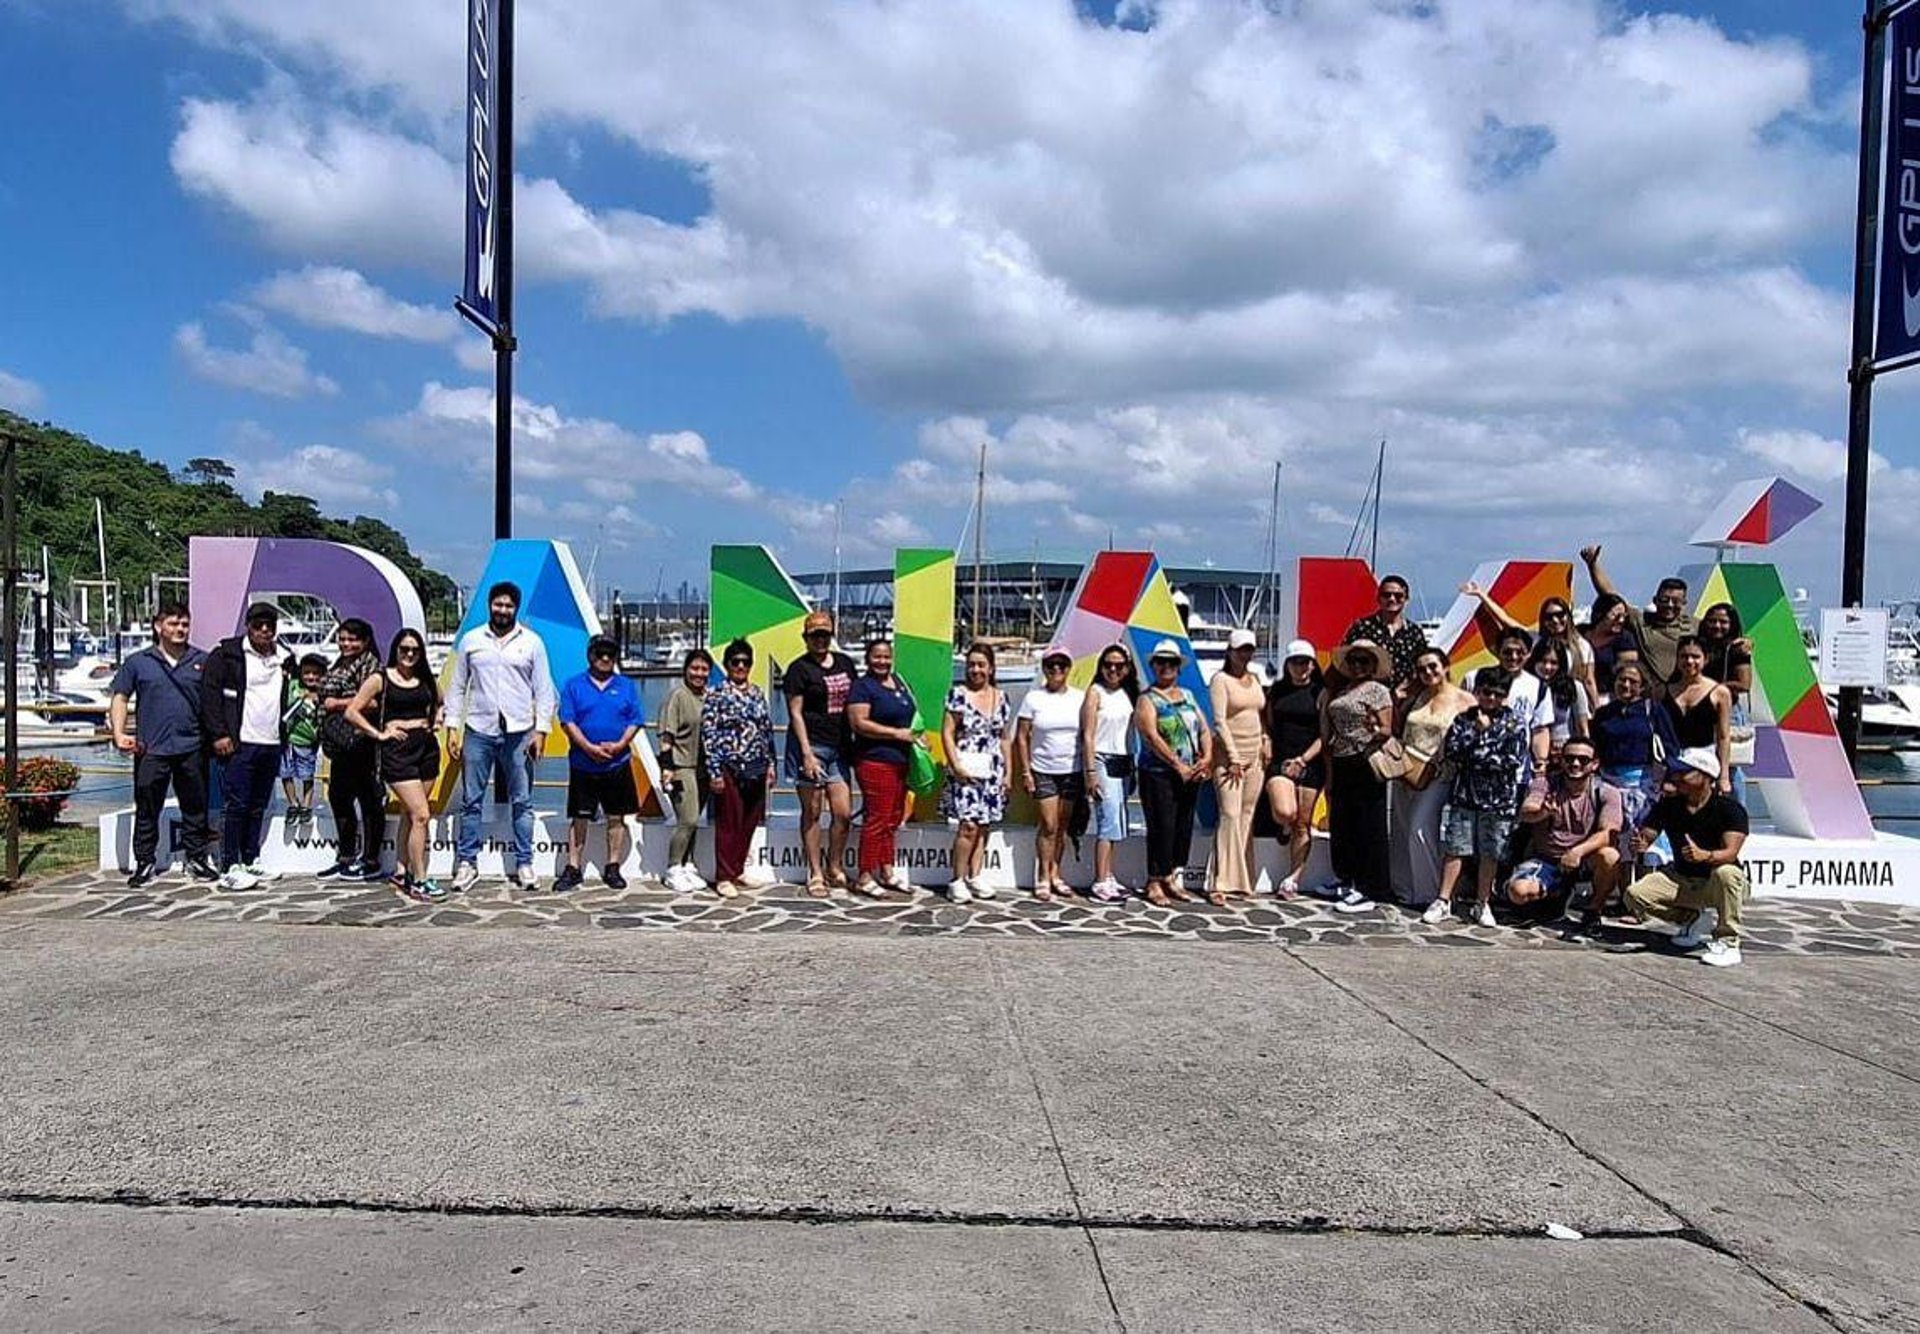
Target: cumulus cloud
[
  {"x": 329, "y": 297},
  {"x": 336, "y": 478},
  {"x": 1539, "y": 244},
  {"x": 269, "y": 364},
  {"x": 19, "y": 394}
]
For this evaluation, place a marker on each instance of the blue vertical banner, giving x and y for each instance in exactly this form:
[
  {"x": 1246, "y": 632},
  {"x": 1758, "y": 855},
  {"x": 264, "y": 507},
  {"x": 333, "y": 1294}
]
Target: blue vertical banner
[
  {"x": 1897, "y": 335},
  {"x": 483, "y": 155}
]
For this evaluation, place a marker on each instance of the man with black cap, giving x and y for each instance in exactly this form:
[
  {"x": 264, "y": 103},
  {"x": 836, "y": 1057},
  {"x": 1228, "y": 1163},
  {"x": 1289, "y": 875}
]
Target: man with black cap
[
  {"x": 1703, "y": 890},
  {"x": 601, "y": 713},
  {"x": 241, "y": 689}
]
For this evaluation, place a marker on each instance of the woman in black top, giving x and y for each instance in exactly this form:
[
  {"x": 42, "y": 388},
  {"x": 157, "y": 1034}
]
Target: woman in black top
[
  {"x": 1700, "y": 708},
  {"x": 1729, "y": 657},
  {"x": 353, "y": 763},
  {"x": 1295, "y": 773},
  {"x": 409, "y": 710}
]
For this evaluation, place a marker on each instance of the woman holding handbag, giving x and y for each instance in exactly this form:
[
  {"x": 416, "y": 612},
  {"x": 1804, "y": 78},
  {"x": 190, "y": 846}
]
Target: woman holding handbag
[
  {"x": 404, "y": 726},
  {"x": 1176, "y": 753},
  {"x": 1356, "y": 721},
  {"x": 354, "y": 793},
  {"x": 1106, "y": 739},
  {"x": 1633, "y": 738},
  {"x": 1422, "y": 792},
  {"x": 976, "y": 737}
]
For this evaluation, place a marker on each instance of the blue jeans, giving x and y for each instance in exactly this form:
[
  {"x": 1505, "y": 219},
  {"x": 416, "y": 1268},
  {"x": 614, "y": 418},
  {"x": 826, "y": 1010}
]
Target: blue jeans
[
  {"x": 481, "y": 757},
  {"x": 246, "y": 784}
]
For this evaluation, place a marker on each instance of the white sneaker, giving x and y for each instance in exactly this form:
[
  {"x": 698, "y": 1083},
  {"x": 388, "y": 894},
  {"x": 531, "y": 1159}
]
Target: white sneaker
[
  {"x": 1721, "y": 954},
  {"x": 1330, "y": 890},
  {"x": 1352, "y": 900},
  {"x": 957, "y": 892},
  {"x": 1698, "y": 932},
  {"x": 261, "y": 875},
  {"x": 759, "y": 877},
  {"x": 465, "y": 876},
  {"x": 981, "y": 889},
  {"x": 527, "y": 878},
  {"x": 675, "y": 878},
  {"x": 236, "y": 877},
  {"x": 1484, "y": 914},
  {"x": 1437, "y": 912},
  {"x": 691, "y": 881}
]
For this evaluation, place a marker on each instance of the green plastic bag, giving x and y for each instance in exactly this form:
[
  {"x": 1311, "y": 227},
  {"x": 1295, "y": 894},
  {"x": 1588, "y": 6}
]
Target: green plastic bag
[{"x": 923, "y": 776}]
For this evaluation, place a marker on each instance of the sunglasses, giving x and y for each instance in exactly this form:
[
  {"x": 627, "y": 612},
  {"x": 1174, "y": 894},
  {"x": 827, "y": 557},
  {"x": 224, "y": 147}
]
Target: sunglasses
[
  {"x": 739, "y": 662},
  {"x": 408, "y": 648},
  {"x": 1393, "y": 597},
  {"x": 1113, "y": 666},
  {"x": 1055, "y": 666},
  {"x": 1490, "y": 692},
  {"x": 819, "y": 634},
  {"x": 1576, "y": 759},
  {"x": 1553, "y": 616}
]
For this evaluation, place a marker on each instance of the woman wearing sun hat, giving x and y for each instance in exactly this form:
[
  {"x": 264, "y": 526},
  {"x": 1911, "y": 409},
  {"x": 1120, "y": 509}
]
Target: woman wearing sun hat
[
  {"x": 1354, "y": 717},
  {"x": 1296, "y": 771},
  {"x": 1239, "y": 761},
  {"x": 1046, "y": 748},
  {"x": 1176, "y": 753}
]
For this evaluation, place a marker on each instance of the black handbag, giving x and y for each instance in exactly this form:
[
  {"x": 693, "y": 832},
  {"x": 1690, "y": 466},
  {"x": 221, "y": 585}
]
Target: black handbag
[{"x": 1118, "y": 766}]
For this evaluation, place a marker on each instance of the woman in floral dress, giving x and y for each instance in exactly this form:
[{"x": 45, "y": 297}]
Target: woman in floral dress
[{"x": 976, "y": 734}]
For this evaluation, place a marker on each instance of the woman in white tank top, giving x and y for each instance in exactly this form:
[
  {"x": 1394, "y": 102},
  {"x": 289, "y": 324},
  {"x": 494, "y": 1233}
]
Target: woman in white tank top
[{"x": 1106, "y": 739}]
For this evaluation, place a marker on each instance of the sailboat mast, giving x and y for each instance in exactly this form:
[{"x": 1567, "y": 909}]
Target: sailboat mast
[
  {"x": 1379, "y": 477},
  {"x": 1273, "y": 562},
  {"x": 979, "y": 536}
]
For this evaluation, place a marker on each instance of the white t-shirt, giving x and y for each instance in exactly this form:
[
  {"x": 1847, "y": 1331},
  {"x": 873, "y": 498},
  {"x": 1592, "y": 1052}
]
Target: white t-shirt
[
  {"x": 1113, "y": 726},
  {"x": 1528, "y": 701},
  {"x": 1055, "y": 715},
  {"x": 260, "y": 710}
]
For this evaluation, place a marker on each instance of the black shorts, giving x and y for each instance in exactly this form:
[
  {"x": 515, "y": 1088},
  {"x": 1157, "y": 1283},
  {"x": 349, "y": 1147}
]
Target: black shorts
[
  {"x": 1313, "y": 776},
  {"x": 414, "y": 758},
  {"x": 590, "y": 793}
]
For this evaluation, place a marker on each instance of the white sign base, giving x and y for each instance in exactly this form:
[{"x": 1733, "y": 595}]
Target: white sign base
[{"x": 1882, "y": 870}]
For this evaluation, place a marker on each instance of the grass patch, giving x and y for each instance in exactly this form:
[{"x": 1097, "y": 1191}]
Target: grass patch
[{"x": 48, "y": 853}]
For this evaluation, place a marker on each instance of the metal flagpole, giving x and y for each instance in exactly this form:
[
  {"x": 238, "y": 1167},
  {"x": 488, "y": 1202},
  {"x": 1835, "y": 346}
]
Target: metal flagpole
[
  {"x": 1860, "y": 370},
  {"x": 10, "y": 613},
  {"x": 503, "y": 340}
]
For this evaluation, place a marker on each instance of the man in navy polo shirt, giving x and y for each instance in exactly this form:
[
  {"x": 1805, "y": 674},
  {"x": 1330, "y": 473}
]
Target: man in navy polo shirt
[
  {"x": 600, "y": 712},
  {"x": 164, "y": 683}
]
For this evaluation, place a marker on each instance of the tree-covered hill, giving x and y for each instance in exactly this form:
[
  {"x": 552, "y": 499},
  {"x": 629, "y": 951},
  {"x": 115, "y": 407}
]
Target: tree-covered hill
[{"x": 150, "y": 514}]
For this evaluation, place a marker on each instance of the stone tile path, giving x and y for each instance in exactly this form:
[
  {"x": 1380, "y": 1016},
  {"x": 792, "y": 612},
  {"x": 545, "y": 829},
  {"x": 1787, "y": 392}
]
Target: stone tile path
[{"x": 1805, "y": 927}]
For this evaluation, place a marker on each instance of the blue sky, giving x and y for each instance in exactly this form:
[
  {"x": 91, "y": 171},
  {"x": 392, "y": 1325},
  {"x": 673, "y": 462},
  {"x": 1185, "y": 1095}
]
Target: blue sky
[{"x": 1583, "y": 266}]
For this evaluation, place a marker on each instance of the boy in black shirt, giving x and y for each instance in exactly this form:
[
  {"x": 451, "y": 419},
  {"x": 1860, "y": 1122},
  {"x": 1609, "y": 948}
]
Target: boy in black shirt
[{"x": 1707, "y": 831}]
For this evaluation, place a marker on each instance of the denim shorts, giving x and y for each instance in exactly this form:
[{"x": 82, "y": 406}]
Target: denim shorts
[
  {"x": 1554, "y": 879},
  {"x": 1068, "y": 786},
  {"x": 834, "y": 765},
  {"x": 1110, "y": 812},
  {"x": 1470, "y": 833},
  {"x": 298, "y": 763}
]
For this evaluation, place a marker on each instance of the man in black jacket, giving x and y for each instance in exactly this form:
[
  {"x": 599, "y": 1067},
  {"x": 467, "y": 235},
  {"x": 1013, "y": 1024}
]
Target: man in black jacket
[{"x": 242, "y": 691}]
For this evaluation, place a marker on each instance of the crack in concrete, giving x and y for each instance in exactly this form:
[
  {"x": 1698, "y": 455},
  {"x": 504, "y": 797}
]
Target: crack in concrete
[
  {"x": 1306, "y": 1225},
  {"x": 1780, "y": 1028},
  {"x": 1689, "y": 1230},
  {"x": 1019, "y": 1038}
]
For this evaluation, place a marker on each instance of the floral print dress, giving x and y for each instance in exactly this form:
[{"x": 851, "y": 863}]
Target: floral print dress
[{"x": 984, "y": 800}]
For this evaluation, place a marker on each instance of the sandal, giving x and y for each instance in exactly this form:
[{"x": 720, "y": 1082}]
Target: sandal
[
  {"x": 1217, "y": 898},
  {"x": 1157, "y": 896},
  {"x": 837, "y": 879},
  {"x": 869, "y": 888},
  {"x": 1044, "y": 892},
  {"x": 727, "y": 889},
  {"x": 817, "y": 887},
  {"x": 1179, "y": 894}
]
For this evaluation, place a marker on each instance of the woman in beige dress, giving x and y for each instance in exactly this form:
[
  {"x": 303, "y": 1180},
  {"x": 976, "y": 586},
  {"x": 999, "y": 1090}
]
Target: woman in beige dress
[
  {"x": 1417, "y": 800},
  {"x": 1238, "y": 709}
]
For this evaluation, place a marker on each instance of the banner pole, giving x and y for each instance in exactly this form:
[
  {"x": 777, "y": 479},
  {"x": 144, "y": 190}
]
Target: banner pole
[
  {"x": 1853, "y": 557},
  {"x": 503, "y": 339}
]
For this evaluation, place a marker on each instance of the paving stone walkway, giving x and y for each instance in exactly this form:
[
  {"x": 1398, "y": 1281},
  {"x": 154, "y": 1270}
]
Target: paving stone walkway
[{"x": 1806, "y": 927}]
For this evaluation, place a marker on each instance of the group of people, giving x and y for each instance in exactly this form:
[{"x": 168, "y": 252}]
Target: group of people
[{"x": 1601, "y": 756}]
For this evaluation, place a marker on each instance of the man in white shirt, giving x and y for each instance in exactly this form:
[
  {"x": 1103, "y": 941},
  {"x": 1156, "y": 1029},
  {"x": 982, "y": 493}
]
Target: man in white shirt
[
  {"x": 499, "y": 707},
  {"x": 241, "y": 693}
]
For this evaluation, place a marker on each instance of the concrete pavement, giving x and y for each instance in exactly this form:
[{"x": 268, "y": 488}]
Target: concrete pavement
[{"x": 1055, "y": 1133}]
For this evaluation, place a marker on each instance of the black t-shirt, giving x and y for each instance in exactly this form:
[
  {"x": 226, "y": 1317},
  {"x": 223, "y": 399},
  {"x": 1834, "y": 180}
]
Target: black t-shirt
[
  {"x": 1708, "y": 826},
  {"x": 822, "y": 691},
  {"x": 1293, "y": 718}
]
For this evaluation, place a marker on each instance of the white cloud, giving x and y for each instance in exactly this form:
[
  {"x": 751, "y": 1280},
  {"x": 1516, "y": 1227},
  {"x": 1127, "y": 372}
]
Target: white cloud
[
  {"x": 335, "y": 478},
  {"x": 329, "y": 297},
  {"x": 19, "y": 394},
  {"x": 1244, "y": 199},
  {"x": 1807, "y": 453},
  {"x": 269, "y": 364}
]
